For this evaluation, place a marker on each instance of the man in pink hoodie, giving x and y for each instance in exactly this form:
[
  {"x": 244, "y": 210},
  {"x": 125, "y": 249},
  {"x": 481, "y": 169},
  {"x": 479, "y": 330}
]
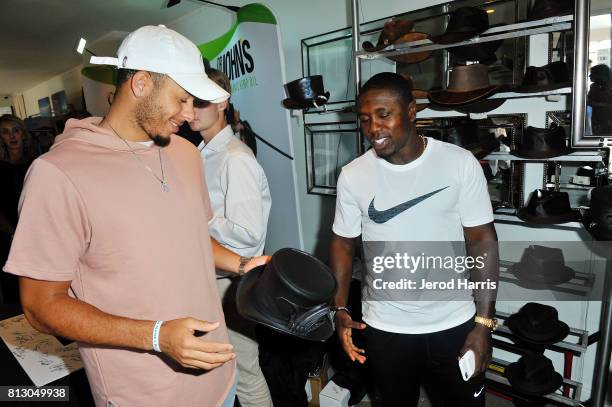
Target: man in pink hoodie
[{"x": 112, "y": 246}]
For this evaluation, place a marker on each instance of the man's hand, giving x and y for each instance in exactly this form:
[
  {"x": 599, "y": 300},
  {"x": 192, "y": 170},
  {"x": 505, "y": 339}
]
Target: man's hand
[
  {"x": 256, "y": 262},
  {"x": 344, "y": 327},
  {"x": 479, "y": 340},
  {"x": 177, "y": 340}
]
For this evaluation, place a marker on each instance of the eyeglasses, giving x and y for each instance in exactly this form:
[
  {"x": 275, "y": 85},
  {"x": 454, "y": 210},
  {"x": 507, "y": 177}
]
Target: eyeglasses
[
  {"x": 6, "y": 131},
  {"x": 200, "y": 104}
]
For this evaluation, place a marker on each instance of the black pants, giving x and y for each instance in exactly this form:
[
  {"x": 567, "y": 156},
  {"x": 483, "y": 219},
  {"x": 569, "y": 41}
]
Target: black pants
[{"x": 401, "y": 363}]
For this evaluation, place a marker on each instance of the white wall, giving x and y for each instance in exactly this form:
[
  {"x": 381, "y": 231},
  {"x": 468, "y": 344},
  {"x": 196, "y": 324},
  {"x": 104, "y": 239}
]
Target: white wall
[{"x": 69, "y": 81}]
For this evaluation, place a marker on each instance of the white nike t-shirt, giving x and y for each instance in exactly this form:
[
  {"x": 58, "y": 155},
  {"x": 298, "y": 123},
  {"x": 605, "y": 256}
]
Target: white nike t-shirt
[{"x": 430, "y": 199}]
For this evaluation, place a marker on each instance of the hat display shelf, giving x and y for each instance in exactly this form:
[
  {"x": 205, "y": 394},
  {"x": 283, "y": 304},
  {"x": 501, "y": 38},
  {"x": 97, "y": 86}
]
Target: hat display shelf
[{"x": 576, "y": 344}]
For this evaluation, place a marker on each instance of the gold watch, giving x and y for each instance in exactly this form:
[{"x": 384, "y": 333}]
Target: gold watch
[{"x": 490, "y": 323}]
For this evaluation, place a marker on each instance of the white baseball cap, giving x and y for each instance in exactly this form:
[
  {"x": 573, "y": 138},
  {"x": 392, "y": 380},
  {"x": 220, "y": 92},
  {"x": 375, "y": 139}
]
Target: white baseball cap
[{"x": 162, "y": 50}]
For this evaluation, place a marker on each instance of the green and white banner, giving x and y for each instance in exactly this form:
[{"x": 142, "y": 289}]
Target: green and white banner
[{"x": 250, "y": 54}]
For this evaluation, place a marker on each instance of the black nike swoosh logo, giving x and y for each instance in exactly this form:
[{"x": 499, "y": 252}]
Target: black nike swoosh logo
[{"x": 387, "y": 214}]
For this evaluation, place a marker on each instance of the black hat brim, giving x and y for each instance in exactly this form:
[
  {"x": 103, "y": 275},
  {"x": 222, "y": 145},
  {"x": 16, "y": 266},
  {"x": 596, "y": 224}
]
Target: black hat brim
[
  {"x": 527, "y": 280},
  {"x": 477, "y": 52},
  {"x": 293, "y": 104},
  {"x": 516, "y": 321},
  {"x": 449, "y": 98},
  {"x": 541, "y": 154},
  {"x": 542, "y": 88},
  {"x": 518, "y": 382},
  {"x": 483, "y": 106},
  {"x": 571, "y": 216},
  {"x": 247, "y": 308}
]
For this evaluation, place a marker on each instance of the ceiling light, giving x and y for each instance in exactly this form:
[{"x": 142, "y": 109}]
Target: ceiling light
[
  {"x": 80, "y": 47},
  {"x": 489, "y": 11}
]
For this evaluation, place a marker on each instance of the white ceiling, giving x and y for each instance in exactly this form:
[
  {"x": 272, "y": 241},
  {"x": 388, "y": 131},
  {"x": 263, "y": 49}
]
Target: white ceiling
[{"x": 37, "y": 37}]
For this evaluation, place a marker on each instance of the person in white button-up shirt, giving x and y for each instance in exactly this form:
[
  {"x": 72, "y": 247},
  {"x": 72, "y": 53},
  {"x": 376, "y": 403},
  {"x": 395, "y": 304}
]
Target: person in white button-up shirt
[{"x": 240, "y": 200}]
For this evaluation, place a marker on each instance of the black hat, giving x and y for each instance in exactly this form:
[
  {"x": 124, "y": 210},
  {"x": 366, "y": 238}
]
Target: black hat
[
  {"x": 541, "y": 267},
  {"x": 542, "y": 78},
  {"x": 550, "y": 8},
  {"x": 482, "y": 52},
  {"x": 292, "y": 294},
  {"x": 598, "y": 219},
  {"x": 548, "y": 208},
  {"x": 464, "y": 23},
  {"x": 533, "y": 374},
  {"x": 542, "y": 143},
  {"x": 465, "y": 134},
  {"x": 306, "y": 92},
  {"x": 538, "y": 323}
]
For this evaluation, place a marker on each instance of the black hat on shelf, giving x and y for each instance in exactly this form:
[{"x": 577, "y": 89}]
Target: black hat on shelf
[
  {"x": 548, "y": 208},
  {"x": 466, "y": 134},
  {"x": 482, "y": 52},
  {"x": 538, "y": 323},
  {"x": 292, "y": 294},
  {"x": 464, "y": 23},
  {"x": 534, "y": 375},
  {"x": 550, "y": 8},
  {"x": 542, "y": 143},
  {"x": 544, "y": 78},
  {"x": 598, "y": 219},
  {"x": 306, "y": 92},
  {"x": 541, "y": 267}
]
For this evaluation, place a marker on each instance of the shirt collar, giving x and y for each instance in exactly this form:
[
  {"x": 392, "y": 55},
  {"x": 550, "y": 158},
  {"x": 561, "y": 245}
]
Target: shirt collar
[{"x": 220, "y": 139}]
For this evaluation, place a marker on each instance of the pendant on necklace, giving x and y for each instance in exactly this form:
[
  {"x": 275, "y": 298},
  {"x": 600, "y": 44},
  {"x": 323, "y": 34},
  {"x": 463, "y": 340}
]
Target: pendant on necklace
[{"x": 164, "y": 186}]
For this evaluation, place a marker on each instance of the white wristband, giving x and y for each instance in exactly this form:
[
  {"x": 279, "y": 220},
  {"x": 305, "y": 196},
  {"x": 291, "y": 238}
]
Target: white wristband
[{"x": 156, "y": 329}]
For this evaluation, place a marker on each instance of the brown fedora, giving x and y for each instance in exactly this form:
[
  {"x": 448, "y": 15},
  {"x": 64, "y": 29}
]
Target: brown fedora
[
  {"x": 415, "y": 57},
  {"x": 467, "y": 84},
  {"x": 392, "y": 30},
  {"x": 420, "y": 94}
]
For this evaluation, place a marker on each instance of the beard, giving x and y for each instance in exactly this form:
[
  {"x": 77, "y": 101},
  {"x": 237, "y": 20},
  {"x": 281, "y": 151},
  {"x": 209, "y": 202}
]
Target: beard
[{"x": 149, "y": 117}]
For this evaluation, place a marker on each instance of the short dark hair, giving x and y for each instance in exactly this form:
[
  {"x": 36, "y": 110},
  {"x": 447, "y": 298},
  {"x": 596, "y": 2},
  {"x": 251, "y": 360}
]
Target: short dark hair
[
  {"x": 124, "y": 75},
  {"x": 391, "y": 82}
]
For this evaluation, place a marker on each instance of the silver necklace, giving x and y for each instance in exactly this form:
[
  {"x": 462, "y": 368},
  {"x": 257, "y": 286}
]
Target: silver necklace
[{"x": 162, "y": 180}]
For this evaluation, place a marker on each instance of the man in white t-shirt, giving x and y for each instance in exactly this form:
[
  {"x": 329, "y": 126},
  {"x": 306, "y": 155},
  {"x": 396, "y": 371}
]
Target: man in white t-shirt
[
  {"x": 240, "y": 200},
  {"x": 417, "y": 189}
]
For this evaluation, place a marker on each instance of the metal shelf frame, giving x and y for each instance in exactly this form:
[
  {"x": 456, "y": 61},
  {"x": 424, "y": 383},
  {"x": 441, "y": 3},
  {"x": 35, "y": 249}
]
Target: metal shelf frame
[{"x": 547, "y": 25}]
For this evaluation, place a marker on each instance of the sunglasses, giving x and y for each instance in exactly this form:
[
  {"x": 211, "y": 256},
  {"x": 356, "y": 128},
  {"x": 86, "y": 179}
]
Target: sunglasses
[
  {"x": 199, "y": 103},
  {"x": 6, "y": 131}
]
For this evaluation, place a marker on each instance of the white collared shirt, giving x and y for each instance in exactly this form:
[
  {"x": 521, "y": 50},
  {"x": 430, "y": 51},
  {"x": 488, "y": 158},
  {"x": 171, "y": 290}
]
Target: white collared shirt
[{"x": 239, "y": 194}]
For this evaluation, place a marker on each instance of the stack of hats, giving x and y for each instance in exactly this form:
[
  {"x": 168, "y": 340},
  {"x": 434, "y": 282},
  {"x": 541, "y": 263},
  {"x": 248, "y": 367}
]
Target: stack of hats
[
  {"x": 539, "y": 325},
  {"x": 292, "y": 294},
  {"x": 543, "y": 78}
]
